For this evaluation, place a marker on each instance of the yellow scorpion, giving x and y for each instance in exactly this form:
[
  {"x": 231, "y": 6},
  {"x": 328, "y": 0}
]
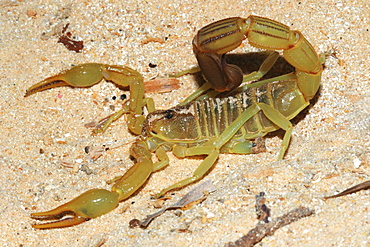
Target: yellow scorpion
[{"x": 201, "y": 125}]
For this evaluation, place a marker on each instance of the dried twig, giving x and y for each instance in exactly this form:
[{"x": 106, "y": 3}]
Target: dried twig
[
  {"x": 267, "y": 229},
  {"x": 161, "y": 85},
  {"x": 356, "y": 188},
  {"x": 195, "y": 196}
]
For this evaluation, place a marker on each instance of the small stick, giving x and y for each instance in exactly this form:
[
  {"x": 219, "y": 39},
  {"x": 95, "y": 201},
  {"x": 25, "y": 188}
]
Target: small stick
[
  {"x": 195, "y": 196},
  {"x": 353, "y": 189},
  {"x": 262, "y": 229}
]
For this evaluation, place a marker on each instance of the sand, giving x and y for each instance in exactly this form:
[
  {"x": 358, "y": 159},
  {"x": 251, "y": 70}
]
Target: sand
[{"x": 43, "y": 138}]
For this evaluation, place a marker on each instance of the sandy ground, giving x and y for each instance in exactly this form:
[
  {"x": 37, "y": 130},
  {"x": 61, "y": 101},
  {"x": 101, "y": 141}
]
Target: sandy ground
[{"x": 43, "y": 137}]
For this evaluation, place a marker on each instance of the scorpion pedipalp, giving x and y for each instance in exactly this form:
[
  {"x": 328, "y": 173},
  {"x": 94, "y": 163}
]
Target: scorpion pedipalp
[
  {"x": 89, "y": 74},
  {"x": 89, "y": 205},
  {"x": 84, "y": 75}
]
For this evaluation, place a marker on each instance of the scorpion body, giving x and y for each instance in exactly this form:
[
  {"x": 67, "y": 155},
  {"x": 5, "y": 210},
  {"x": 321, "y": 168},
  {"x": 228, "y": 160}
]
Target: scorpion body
[
  {"x": 205, "y": 123},
  {"x": 207, "y": 119}
]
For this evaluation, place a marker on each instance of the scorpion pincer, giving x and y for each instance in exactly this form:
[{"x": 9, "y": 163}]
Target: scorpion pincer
[{"x": 201, "y": 125}]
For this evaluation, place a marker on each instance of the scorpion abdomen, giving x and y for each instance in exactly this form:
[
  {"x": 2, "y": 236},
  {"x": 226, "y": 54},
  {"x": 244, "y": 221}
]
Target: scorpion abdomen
[{"x": 214, "y": 115}]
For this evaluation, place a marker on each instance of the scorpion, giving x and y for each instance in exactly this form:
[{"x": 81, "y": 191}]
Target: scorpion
[{"x": 204, "y": 123}]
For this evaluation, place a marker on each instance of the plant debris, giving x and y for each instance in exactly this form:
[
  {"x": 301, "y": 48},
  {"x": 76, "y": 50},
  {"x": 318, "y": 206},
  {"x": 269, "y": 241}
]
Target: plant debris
[
  {"x": 353, "y": 189},
  {"x": 265, "y": 227},
  {"x": 161, "y": 85},
  {"x": 70, "y": 44},
  {"x": 195, "y": 196},
  {"x": 152, "y": 39}
]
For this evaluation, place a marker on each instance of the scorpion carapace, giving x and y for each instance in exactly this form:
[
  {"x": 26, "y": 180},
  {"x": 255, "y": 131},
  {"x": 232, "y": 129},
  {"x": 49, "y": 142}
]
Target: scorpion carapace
[{"x": 205, "y": 123}]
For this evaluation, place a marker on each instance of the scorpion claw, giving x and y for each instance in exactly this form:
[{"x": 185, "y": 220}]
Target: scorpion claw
[
  {"x": 75, "y": 220},
  {"x": 89, "y": 205},
  {"x": 84, "y": 75}
]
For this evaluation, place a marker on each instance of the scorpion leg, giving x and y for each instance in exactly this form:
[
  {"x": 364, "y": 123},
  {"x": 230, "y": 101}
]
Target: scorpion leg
[
  {"x": 202, "y": 169},
  {"x": 244, "y": 146},
  {"x": 277, "y": 118},
  {"x": 135, "y": 121},
  {"x": 89, "y": 74}
]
